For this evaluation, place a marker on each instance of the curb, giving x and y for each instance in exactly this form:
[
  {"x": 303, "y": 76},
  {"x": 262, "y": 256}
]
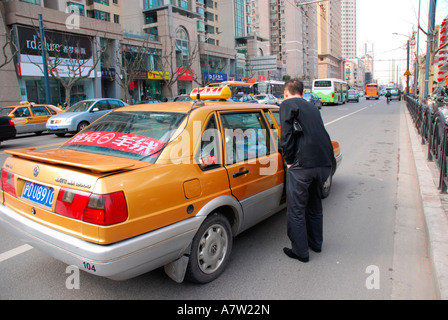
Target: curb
[{"x": 436, "y": 220}]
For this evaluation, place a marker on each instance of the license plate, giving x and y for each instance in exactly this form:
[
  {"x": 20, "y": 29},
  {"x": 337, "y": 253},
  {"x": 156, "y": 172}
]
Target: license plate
[
  {"x": 38, "y": 194},
  {"x": 53, "y": 128}
]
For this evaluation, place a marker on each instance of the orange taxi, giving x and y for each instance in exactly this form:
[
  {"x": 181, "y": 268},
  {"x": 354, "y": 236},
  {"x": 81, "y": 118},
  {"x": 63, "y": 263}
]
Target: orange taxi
[
  {"x": 145, "y": 186},
  {"x": 30, "y": 117}
]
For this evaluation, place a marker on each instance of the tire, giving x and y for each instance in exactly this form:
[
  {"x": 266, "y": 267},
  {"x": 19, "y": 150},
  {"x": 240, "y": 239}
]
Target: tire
[
  {"x": 83, "y": 125},
  {"x": 210, "y": 250},
  {"x": 327, "y": 187}
]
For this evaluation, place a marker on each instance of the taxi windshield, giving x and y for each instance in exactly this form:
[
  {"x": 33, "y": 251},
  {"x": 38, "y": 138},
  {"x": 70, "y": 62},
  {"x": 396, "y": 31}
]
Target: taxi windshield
[{"x": 137, "y": 135}]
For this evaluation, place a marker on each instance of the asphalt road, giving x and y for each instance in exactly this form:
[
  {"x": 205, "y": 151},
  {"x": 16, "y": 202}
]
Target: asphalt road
[{"x": 374, "y": 242}]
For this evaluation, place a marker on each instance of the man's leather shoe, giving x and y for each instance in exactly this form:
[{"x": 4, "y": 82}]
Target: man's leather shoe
[
  {"x": 292, "y": 255},
  {"x": 315, "y": 249}
]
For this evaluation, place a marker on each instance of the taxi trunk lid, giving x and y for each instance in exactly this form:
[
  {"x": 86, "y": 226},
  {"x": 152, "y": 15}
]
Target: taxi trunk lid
[{"x": 35, "y": 182}]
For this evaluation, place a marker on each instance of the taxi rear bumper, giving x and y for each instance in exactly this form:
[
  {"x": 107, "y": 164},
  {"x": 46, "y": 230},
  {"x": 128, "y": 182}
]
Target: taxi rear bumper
[{"x": 120, "y": 261}]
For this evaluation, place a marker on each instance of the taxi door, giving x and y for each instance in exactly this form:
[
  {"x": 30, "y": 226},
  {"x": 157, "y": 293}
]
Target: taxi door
[
  {"x": 253, "y": 164},
  {"x": 40, "y": 115}
]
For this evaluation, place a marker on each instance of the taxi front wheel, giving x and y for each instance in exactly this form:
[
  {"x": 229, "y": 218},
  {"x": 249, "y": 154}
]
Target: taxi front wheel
[{"x": 210, "y": 249}]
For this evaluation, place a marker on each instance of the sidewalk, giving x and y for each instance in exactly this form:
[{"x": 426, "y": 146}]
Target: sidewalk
[{"x": 435, "y": 209}]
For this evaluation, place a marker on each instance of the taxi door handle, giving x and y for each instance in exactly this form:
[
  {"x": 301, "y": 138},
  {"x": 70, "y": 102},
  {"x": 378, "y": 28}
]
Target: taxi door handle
[{"x": 241, "y": 173}]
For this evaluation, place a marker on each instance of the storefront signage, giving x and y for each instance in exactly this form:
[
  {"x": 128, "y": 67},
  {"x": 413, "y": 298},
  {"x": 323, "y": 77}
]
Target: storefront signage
[
  {"x": 69, "y": 55},
  {"x": 218, "y": 77},
  {"x": 57, "y": 44},
  {"x": 186, "y": 74},
  {"x": 158, "y": 75}
]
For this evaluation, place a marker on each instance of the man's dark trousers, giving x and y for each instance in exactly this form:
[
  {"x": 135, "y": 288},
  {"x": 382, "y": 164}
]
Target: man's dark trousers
[{"x": 304, "y": 210}]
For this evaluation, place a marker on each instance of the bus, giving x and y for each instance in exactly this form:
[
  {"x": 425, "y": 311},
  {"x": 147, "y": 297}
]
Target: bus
[
  {"x": 331, "y": 91},
  {"x": 276, "y": 88},
  {"x": 372, "y": 91},
  {"x": 236, "y": 87}
]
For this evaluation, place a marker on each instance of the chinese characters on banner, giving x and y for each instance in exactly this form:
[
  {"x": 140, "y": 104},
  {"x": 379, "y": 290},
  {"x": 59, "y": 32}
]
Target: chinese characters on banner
[{"x": 119, "y": 141}]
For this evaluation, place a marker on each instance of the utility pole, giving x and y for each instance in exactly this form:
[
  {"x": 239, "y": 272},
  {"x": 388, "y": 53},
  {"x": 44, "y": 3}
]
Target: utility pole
[
  {"x": 44, "y": 60},
  {"x": 430, "y": 46},
  {"x": 407, "y": 75}
]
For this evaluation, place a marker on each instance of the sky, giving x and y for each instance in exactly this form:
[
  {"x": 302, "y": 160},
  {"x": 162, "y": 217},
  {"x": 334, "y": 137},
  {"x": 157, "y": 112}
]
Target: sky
[{"x": 377, "y": 20}]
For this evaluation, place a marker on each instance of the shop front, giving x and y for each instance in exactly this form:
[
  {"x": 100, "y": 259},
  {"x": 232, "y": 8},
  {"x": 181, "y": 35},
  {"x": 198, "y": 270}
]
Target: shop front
[
  {"x": 147, "y": 85},
  {"x": 70, "y": 56},
  {"x": 184, "y": 81}
]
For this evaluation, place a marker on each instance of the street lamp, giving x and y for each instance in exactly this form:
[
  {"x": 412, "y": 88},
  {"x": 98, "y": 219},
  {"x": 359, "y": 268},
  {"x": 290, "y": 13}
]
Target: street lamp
[{"x": 407, "y": 67}]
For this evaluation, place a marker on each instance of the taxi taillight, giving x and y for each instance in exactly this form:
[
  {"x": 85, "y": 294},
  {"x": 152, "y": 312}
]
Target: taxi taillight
[
  {"x": 98, "y": 209},
  {"x": 8, "y": 182}
]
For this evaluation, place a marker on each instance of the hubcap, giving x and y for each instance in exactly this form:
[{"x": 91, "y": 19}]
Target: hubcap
[{"x": 212, "y": 249}]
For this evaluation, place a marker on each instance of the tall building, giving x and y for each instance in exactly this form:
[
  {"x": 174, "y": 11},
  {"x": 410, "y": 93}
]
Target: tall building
[
  {"x": 72, "y": 47},
  {"x": 367, "y": 56},
  {"x": 348, "y": 29},
  {"x": 330, "y": 39},
  {"x": 286, "y": 31},
  {"x": 140, "y": 49}
]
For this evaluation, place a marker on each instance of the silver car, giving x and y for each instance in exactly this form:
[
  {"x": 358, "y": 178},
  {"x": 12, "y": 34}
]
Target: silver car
[
  {"x": 81, "y": 114},
  {"x": 266, "y": 99}
]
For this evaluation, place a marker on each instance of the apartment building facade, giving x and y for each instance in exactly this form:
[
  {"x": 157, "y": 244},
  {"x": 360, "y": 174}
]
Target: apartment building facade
[{"x": 185, "y": 44}]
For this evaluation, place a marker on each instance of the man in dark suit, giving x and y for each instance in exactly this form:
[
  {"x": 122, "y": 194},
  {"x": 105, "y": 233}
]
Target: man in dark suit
[{"x": 308, "y": 152}]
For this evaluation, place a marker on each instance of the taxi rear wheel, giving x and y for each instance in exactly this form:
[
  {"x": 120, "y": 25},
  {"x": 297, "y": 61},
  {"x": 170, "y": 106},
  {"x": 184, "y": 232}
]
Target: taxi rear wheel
[
  {"x": 210, "y": 249},
  {"x": 327, "y": 187}
]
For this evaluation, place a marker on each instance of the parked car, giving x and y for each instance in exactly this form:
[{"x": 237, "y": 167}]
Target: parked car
[
  {"x": 30, "y": 117},
  {"x": 353, "y": 96},
  {"x": 7, "y": 128},
  {"x": 81, "y": 114},
  {"x": 266, "y": 99},
  {"x": 313, "y": 98},
  {"x": 149, "y": 101},
  {"x": 244, "y": 98},
  {"x": 145, "y": 186},
  {"x": 182, "y": 97}
]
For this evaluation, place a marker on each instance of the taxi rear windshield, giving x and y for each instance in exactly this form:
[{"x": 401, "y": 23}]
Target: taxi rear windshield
[{"x": 137, "y": 135}]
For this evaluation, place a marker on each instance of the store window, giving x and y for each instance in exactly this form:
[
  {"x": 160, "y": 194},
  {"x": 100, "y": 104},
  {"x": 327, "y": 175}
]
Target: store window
[{"x": 182, "y": 48}]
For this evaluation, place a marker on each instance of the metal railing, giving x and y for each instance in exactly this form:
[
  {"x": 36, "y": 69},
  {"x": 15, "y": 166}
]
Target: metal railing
[{"x": 430, "y": 122}]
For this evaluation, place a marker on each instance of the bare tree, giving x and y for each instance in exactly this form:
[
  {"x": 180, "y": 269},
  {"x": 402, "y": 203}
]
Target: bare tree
[
  {"x": 131, "y": 61},
  {"x": 67, "y": 60},
  {"x": 173, "y": 63},
  {"x": 9, "y": 49}
]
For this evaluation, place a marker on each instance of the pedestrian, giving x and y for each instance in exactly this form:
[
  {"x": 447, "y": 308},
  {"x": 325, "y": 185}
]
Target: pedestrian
[{"x": 308, "y": 153}]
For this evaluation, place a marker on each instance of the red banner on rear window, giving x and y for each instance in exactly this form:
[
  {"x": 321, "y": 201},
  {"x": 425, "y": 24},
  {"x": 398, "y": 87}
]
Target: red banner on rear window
[{"x": 118, "y": 141}]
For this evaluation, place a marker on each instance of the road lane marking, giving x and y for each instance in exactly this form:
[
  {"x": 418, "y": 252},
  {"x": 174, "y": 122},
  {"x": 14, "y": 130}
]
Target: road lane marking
[
  {"x": 14, "y": 252},
  {"x": 343, "y": 117}
]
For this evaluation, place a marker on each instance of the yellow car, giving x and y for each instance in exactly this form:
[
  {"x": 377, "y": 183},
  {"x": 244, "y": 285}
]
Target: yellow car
[
  {"x": 30, "y": 117},
  {"x": 145, "y": 186}
]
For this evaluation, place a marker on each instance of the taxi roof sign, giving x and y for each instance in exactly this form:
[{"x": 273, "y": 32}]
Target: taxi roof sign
[{"x": 210, "y": 93}]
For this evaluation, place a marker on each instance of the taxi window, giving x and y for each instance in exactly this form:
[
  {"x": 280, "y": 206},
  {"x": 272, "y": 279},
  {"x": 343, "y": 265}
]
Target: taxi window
[
  {"x": 138, "y": 135},
  {"x": 5, "y": 111},
  {"x": 210, "y": 152},
  {"x": 40, "y": 111},
  {"x": 277, "y": 116},
  {"x": 246, "y": 136},
  {"x": 52, "y": 111},
  {"x": 22, "y": 112}
]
